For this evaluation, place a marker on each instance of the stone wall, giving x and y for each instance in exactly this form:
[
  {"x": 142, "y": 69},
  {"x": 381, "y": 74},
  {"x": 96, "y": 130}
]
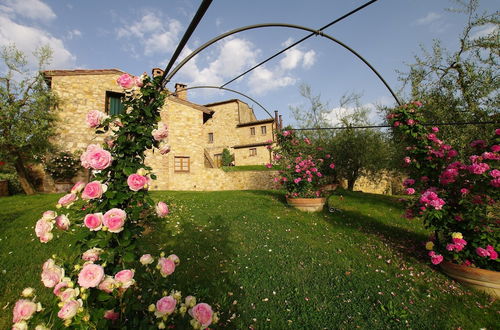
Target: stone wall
[{"x": 242, "y": 156}]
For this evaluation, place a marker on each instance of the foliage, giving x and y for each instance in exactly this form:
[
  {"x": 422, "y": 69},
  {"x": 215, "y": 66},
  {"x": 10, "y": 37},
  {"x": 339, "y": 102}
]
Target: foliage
[
  {"x": 462, "y": 84},
  {"x": 458, "y": 200},
  {"x": 13, "y": 182},
  {"x": 299, "y": 170},
  {"x": 62, "y": 166},
  {"x": 352, "y": 261},
  {"x": 27, "y": 120},
  {"x": 98, "y": 286},
  {"x": 227, "y": 158}
]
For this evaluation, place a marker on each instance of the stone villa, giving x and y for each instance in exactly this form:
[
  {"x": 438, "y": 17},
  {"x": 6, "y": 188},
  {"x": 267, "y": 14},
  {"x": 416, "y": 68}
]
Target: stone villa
[{"x": 197, "y": 133}]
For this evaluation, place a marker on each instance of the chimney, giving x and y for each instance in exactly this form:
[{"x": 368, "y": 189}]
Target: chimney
[
  {"x": 276, "y": 122},
  {"x": 180, "y": 91},
  {"x": 281, "y": 123},
  {"x": 157, "y": 72}
]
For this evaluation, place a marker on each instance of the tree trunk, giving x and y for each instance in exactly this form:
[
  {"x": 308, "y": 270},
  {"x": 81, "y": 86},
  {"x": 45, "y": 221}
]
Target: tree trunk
[
  {"x": 350, "y": 184},
  {"x": 22, "y": 174}
]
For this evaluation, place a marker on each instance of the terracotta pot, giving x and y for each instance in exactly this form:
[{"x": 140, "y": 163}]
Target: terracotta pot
[
  {"x": 64, "y": 187},
  {"x": 481, "y": 279},
  {"x": 307, "y": 204}
]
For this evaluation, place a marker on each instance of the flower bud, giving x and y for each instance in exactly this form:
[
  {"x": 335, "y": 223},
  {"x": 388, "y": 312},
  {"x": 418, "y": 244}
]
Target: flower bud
[
  {"x": 39, "y": 307},
  {"x": 28, "y": 292},
  {"x": 162, "y": 254},
  {"x": 151, "y": 308},
  {"x": 104, "y": 228},
  {"x": 86, "y": 318},
  {"x": 142, "y": 172},
  {"x": 67, "y": 322},
  {"x": 77, "y": 267},
  {"x": 161, "y": 325},
  {"x": 84, "y": 296}
]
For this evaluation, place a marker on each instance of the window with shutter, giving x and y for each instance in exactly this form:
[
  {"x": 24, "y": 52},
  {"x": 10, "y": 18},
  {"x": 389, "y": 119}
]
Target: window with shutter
[{"x": 114, "y": 104}]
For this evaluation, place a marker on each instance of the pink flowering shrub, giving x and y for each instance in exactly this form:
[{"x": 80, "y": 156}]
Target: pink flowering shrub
[
  {"x": 108, "y": 282},
  {"x": 455, "y": 192},
  {"x": 300, "y": 171}
]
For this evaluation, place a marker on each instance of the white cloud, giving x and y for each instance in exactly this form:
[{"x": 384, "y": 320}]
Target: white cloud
[
  {"x": 485, "y": 31},
  {"x": 33, "y": 9},
  {"x": 263, "y": 80},
  {"x": 429, "y": 18},
  {"x": 296, "y": 56},
  {"x": 156, "y": 34},
  {"x": 27, "y": 39},
  {"x": 373, "y": 116},
  {"x": 73, "y": 34}
]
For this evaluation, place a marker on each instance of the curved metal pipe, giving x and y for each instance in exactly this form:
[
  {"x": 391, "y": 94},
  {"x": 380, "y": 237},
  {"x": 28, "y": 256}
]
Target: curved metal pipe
[
  {"x": 292, "y": 26},
  {"x": 229, "y": 90}
]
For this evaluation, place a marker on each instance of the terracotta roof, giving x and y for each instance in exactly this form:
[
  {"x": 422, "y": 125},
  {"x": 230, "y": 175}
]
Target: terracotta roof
[
  {"x": 259, "y": 144},
  {"x": 51, "y": 73},
  {"x": 256, "y": 122},
  {"x": 191, "y": 104}
]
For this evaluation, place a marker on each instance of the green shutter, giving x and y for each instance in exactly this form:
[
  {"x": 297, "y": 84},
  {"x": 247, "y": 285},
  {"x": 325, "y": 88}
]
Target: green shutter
[{"x": 115, "y": 105}]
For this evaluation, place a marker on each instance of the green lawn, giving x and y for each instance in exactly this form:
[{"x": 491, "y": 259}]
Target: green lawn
[{"x": 265, "y": 265}]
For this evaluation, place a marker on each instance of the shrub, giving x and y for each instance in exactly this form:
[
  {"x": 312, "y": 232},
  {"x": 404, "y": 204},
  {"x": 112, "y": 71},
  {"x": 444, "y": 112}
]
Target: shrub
[
  {"x": 63, "y": 166},
  {"x": 227, "y": 158}
]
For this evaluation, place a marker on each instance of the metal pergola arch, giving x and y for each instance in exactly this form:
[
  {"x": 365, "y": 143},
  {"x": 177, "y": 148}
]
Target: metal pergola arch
[{"x": 285, "y": 25}]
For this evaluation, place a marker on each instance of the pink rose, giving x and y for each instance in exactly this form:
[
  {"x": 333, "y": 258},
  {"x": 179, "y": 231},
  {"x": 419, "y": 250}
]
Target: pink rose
[
  {"x": 83, "y": 157},
  {"x": 51, "y": 273},
  {"x": 497, "y": 131},
  {"x": 43, "y": 230},
  {"x": 175, "y": 259},
  {"x": 125, "y": 277},
  {"x": 410, "y": 122},
  {"x": 92, "y": 254},
  {"x": 108, "y": 284},
  {"x": 161, "y": 132},
  {"x": 410, "y": 191},
  {"x": 139, "y": 81},
  {"x": 146, "y": 259},
  {"x": 165, "y": 306},
  {"x": 23, "y": 310},
  {"x": 93, "y": 221},
  {"x": 99, "y": 159},
  {"x": 332, "y": 165},
  {"x": 111, "y": 315},
  {"x": 59, "y": 288},
  {"x": 396, "y": 123},
  {"x": 49, "y": 215},
  {"x": 67, "y": 200},
  {"x": 95, "y": 118},
  {"x": 114, "y": 219},
  {"x": 69, "y": 309},
  {"x": 436, "y": 259},
  {"x": 435, "y": 129},
  {"x": 164, "y": 149},
  {"x": 202, "y": 313},
  {"x": 407, "y": 160},
  {"x": 136, "y": 182},
  {"x": 495, "y": 148},
  {"x": 62, "y": 222},
  {"x": 94, "y": 189},
  {"x": 269, "y": 165},
  {"x": 68, "y": 294},
  {"x": 167, "y": 266},
  {"x": 482, "y": 252},
  {"x": 495, "y": 173},
  {"x": 78, "y": 187},
  {"x": 90, "y": 276},
  {"x": 162, "y": 209},
  {"x": 125, "y": 81}
]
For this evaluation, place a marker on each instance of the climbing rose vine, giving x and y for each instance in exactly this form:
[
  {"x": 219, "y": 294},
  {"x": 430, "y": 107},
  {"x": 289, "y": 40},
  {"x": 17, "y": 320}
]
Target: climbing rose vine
[
  {"x": 107, "y": 284},
  {"x": 455, "y": 193}
]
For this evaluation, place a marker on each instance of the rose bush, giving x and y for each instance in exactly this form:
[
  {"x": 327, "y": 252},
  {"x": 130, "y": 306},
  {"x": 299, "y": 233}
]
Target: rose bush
[
  {"x": 100, "y": 288},
  {"x": 455, "y": 193}
]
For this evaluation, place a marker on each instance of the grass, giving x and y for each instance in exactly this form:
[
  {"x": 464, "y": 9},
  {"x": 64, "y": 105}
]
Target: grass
[
  {"x": 247, "y": 168},
  {"x": 266, "y": 265}
]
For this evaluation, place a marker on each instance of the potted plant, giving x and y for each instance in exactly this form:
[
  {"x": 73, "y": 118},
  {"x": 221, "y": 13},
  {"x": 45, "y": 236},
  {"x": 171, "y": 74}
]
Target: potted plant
[
  {"x": 300, "y": 171},
  {"x": 62, "y": 167},
  {"x": 457, "y": 197}
]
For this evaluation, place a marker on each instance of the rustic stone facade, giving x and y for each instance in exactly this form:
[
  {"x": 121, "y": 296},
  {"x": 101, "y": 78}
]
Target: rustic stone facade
[{"x": 230, "y": 123}]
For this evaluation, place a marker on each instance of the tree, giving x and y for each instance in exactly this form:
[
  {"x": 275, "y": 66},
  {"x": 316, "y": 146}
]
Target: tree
[
  {"x": 461, "y": 85},
  {"x": 227, "y": 158},
  {"x": 27, "y": 118}
]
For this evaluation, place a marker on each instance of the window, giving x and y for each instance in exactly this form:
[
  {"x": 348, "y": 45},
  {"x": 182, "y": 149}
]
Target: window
[
  {"x": 114, "y": 104},
  {"x": 252, "y": 130},
  {"x": 263, "y": 130},
  {"x": 253, "y": 151},
  {"x": 210, "y": 137},
  {"x": 181, "y": 164},
  {"x": 218, "y": 160}
]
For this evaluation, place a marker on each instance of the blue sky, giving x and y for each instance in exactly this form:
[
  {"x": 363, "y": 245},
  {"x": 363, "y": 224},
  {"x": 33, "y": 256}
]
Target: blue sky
[{"x": 136, "y": 36}]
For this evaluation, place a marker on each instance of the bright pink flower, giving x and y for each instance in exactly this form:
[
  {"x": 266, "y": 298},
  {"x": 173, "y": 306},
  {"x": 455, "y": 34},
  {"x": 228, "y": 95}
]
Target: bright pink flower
[
  {"x": 165, "y": 306},
  {"x": 167, "y": 266},
  {"x": 297, "y": 180},
  {"x": 482, "y": 252},
  {"x": 164, "y": 149},
  {"x": 436, "y": 259},
  {"x": 396, "y": 123},
  {"x": 269, "y": 165},
  {"x": 410, "y": 191},
  {"x": 287, "y": 133},
  {"x": 43, "y": 230},
  {"x": 478, "y": 168},
  {"x": 491, "y": 155},
  {"x": 114, "y": 219},
  {"x": 90, "y": 276},
  {"x": 161, "y": 132},
  {"x": 410, "y": 122},
  {"x": 407, "y": 160},
  {"x": 23, "y": 310},
  {"x": 95, "y": 118},
  {"x": 435, "y": 129},
  {"x": 125, "y": 277},
  {"x": 417, "y": 103},
  {"x": 94, "y": 189},
  {"x": 99, "y": 159},
  {"x": 67, "y": 200},
  {"x": 138, "y": 81},
  {"x": 162, "y": 209},
  {"x": 495, "y": 182},
  {"x": 93, "y": 221},
  {"x": 69, "y": 309},
  {"x": 136, "y": 182},
  {"x": 202, "y": 313},
  {"x": 495, "y": 148},
  {"x": 408, "y": 182},
  {"x": 78, "y": 187},
  {"x": 478, "y": 144},
  {"x": 111, "y": 315},
  {"x": 332, "y": 165},
  {"x": 62, "y": 222},
  {"x": 497, "y": 131},
  {"x": 126, "y": 81},
  {"x": 51, "y": 273}
]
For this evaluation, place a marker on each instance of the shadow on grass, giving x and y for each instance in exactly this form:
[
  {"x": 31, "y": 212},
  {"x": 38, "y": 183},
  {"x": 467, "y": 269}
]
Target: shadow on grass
[{"x": 205, "y": 252}]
